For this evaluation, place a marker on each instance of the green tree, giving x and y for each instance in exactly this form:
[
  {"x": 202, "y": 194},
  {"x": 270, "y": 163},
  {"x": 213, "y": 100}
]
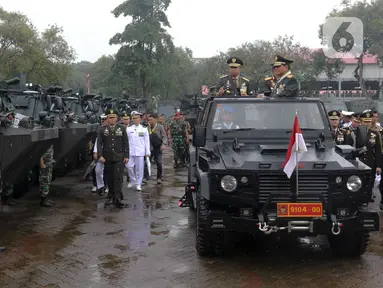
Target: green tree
[
  {"x": 144, "y": 42},
  {"x": 370, "y": 13},
  {"x": 45, "y": 57}
]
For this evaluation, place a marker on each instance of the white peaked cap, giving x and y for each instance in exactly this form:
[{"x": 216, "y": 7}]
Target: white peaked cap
[{"x": 347, "y": 113}]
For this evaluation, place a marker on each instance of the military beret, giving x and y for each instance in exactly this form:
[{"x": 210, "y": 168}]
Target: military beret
[
  {"x": 279, "y": 60},
  {"x": 333, "y": 114},
  {"x": 111, "y": 112},
  {"x": 365, "y": 116},
  {"x": 234, "y": 62}
]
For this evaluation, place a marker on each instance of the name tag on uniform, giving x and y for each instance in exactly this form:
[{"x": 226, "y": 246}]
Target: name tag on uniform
[{"x": 141, "y": 134}]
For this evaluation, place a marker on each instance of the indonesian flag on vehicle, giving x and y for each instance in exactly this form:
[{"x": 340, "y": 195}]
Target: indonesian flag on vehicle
[{"x": 297, "y": 147}]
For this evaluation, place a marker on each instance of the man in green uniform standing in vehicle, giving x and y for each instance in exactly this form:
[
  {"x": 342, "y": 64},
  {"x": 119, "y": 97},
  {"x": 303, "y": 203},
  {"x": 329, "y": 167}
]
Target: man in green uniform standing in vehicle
[
  {"x": 45, "y": 178},
  {"x": 179, "y": 134},
  {"x": 233, "y": 84}
]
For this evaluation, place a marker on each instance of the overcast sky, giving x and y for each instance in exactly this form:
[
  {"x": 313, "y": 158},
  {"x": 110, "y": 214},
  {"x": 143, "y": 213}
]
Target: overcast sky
[{"x": 205, "y": 26}]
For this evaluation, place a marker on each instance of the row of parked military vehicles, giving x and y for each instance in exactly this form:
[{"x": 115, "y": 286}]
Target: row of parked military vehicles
[
  {"x": 42, "y": 117},
  {"x": 236, "y": 184}
]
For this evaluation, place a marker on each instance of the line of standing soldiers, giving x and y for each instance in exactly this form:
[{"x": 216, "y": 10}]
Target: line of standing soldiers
[
  {"x": 281, "y": 84},
  {"x": 371, "y": 155}
]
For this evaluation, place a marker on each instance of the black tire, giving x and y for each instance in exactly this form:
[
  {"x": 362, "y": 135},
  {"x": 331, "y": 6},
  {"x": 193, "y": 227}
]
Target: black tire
[
  {"x": 208, "y": 243},
  {"x": 349, "y": 245}
]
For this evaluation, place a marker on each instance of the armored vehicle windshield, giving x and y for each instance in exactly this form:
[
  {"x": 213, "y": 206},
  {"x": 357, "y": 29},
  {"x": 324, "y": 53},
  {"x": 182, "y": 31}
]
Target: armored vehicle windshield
[{"x": 265, "y": 118}]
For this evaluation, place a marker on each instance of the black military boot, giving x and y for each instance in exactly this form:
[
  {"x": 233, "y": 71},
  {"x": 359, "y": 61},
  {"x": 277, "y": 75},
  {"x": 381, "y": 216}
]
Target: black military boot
[
  {"x": 175, "y": 164},
  {"x": 45, "y": 202},
  {"x": 110, "y": 201},
  {"x": 7, "y": 200},
  {"x": 102, "y": 191},
  {"x": 120, "y": 203}
]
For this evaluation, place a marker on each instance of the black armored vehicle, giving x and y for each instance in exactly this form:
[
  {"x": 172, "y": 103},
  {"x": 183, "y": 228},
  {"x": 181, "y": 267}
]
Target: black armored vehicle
[
  {"x": 237, "y": 184},
  {"x": 23, "y": 139}
]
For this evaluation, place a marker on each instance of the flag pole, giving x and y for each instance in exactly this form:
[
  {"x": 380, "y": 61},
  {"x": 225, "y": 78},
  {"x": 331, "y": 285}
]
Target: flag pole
[{"x": 296, "y": 156}]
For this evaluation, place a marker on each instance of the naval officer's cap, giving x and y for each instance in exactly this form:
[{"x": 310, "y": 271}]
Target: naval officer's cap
[{"x": 134, "y": 114}]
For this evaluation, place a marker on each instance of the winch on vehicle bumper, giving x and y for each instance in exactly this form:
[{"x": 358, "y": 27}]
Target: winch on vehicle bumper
[{"x": 363, "y": 220}]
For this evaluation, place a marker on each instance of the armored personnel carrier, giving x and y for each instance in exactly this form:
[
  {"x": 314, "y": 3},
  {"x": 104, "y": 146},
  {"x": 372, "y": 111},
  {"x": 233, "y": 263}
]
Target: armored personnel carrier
[
  {"x": 50, "y": 104},
  {"x": 23, "y": 139},
  {"x": 190, "y": 105},
  {"x": 237, "y": 183}
]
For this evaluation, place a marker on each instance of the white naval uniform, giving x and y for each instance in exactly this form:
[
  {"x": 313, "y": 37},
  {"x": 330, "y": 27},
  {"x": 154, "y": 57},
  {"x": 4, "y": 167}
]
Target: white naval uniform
[
  {"x": 139, "y": 147},
  {"x": 99, "y": 170}
]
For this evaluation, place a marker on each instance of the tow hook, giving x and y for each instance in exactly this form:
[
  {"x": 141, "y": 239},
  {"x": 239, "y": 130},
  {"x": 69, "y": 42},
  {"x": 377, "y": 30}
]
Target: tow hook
[
  {"x": 263, "y": 226},
  {"x": 267, "y": 230},
  {"x": 336, "y": 228}
]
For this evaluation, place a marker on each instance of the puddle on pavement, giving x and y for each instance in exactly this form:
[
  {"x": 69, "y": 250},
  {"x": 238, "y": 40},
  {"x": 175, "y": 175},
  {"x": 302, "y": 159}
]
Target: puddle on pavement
[
  {"x": 182, "y": 268},
  {"x": 114, "y": 232},
  {"x": 41, "y": 246}
]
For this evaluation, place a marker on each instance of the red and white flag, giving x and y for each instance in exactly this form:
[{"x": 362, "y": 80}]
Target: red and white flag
[{"x": 297, "y": 147}]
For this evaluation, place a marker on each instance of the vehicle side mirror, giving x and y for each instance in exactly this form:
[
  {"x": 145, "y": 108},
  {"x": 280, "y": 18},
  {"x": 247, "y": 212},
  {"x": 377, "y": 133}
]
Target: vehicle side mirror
[
  {"x": 199, "y": 136},
  {"x": 361, "y": 136}
]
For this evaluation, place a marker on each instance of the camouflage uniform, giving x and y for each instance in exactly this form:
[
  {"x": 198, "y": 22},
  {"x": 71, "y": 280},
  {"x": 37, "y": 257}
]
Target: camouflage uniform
[
  {"x": 45, "y": 177},
  {"x": 6, "y": 191},
  {"x": 178, "y": 129}
]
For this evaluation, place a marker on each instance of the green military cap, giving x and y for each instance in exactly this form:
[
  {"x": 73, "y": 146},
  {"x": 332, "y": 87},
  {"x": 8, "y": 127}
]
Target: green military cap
[
  {"x": 279, "y": 61},
  {"x": 234, "y": 62},
  {"x": 366, "y": 116},
  {"x": 111, "y": 113},
  {"x": 334, "y": 115},
  {"x": 125, "y": 116}
]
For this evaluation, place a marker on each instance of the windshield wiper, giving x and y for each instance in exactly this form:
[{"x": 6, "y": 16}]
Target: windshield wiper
[
  {"x": 239, "y": 129},
  {"x": 304, "y": 129}
]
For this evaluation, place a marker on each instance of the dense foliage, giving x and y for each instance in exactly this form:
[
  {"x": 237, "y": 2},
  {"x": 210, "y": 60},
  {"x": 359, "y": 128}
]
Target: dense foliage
[{"x": 148, "y": 64}]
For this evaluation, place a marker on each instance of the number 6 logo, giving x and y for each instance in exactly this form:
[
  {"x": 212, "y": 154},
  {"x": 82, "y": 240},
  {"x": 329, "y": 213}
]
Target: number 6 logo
[{"x": 342, "y": 36}]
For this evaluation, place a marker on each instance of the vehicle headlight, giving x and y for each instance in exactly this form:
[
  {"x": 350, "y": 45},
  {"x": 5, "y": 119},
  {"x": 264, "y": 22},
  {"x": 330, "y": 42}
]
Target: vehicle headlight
[
  {"x": 228, "y": 183},
  {"x": 354, "y": 183}
]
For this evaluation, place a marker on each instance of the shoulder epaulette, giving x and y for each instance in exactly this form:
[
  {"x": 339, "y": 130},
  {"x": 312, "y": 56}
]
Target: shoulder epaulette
[
  {"x": 268, "y": 78},
  {"x": 223, "y": 76},
  {"x": 289, "y": 76},
  {"x": 245, "y": 79}
]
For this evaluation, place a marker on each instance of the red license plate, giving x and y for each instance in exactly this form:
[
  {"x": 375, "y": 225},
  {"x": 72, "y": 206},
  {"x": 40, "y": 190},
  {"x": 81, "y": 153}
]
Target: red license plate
[{"x": 299, "y": 209}]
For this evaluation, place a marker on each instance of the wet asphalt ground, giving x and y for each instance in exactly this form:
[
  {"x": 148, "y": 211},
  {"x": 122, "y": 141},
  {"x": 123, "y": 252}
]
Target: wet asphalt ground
[{"x": 80, "y": 243}]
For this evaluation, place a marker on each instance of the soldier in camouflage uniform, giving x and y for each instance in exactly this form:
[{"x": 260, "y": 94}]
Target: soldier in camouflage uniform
[
  {"x": 6, "y": 191},
  {"x": 186, "y": 154},
  {"x": 45, "y": 178},
  {"x": 179, "y": 134}
]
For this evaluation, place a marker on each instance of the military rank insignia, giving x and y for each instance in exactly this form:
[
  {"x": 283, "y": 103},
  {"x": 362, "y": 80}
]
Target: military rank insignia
[{"x": 334, "y": 113}]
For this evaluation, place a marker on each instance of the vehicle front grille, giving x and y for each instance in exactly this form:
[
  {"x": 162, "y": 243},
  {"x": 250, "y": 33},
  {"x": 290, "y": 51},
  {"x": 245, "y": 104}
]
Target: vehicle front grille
[{"x": 310, "y": 187}]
